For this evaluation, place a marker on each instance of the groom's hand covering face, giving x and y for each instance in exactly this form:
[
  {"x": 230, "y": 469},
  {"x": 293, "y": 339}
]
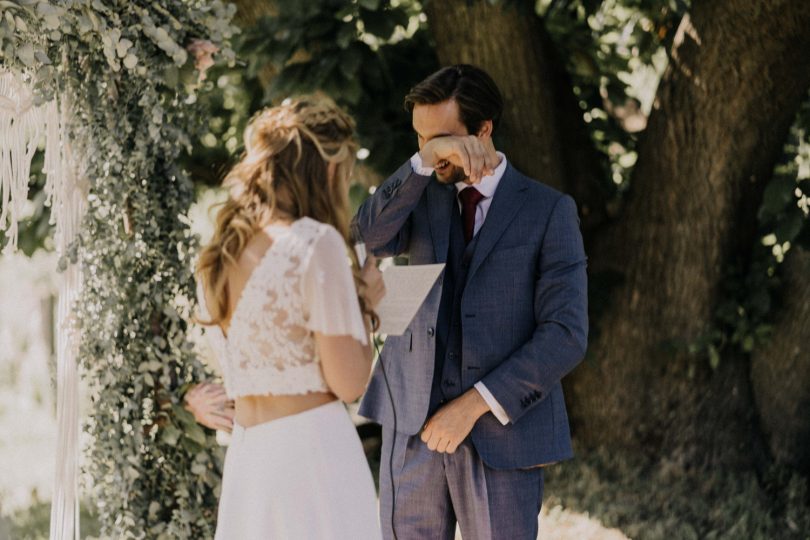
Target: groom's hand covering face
[{"x": 446, "y": 145}]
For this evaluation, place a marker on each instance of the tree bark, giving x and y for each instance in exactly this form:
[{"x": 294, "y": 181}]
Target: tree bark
[
  {"x": 738, "y": 71},
  {"x": 780, "y": 372},
  {"x": 542, "y": 131}
]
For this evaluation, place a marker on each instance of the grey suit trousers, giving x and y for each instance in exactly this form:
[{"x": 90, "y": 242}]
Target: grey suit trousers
[{"x": 440, "y": 489}]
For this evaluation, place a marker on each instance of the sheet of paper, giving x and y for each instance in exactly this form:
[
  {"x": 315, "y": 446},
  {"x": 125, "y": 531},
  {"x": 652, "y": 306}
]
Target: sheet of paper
[{"x": 406, "y": 287}]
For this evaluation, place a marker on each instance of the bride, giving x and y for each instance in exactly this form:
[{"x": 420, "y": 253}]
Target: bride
[{"x": 279, "y": 291}]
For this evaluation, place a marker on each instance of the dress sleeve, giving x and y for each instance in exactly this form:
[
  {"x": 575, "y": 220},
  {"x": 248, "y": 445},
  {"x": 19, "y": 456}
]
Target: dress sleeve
[{"x": 330, "y": 297}]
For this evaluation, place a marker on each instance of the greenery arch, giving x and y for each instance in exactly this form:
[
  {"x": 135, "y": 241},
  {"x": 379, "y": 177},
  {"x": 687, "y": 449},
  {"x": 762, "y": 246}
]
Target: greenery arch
[{"x": 131, "y": 72}]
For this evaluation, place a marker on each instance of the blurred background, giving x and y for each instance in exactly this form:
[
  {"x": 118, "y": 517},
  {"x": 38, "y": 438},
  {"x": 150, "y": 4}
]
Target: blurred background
[{"x": 682, "y": 129}]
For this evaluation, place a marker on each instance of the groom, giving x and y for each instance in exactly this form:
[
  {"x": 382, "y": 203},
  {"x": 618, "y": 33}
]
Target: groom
[{"x": 478, "y": 408}]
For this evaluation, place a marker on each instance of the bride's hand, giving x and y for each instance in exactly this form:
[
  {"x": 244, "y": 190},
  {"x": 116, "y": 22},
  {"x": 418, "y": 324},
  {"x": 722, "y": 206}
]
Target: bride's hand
[
  {"x": 372, "y": 277},
  {"x": 210, "y": 406}
]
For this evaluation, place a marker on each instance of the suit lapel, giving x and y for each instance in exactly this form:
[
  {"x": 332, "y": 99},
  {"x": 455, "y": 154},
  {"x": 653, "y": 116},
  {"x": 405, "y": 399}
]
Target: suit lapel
[
  {"x": 440, "y": 201},
  {"x": 506, "y": 202}
]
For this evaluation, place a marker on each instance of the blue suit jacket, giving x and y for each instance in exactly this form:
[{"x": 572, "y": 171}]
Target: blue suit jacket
[{"x": 523, "y": 311}]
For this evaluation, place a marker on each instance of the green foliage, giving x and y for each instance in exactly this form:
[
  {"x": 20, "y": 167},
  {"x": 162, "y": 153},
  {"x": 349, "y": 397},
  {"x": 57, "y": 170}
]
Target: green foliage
[
  {"x": 365, "y": 54},
  {"x": 33, "y": 523},
  {"x": 662, "y": 501},
  {"x": 783, "y": 215},
  {"x": 132, "y": 86},
  {"x": 615, "y": 51},
  {"x": 229, "y": 97}
]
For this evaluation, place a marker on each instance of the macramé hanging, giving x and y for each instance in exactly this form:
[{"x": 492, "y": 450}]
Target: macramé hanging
[{"x": 23, "y": 127}]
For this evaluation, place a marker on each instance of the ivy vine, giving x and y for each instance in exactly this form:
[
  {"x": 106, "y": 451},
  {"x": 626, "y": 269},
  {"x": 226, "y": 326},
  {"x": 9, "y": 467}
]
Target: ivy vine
[{"x": 131, "y": 71}]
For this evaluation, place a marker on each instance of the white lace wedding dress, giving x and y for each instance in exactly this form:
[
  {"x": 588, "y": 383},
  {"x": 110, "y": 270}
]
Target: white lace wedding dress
[{"x": 303, "y": 476}]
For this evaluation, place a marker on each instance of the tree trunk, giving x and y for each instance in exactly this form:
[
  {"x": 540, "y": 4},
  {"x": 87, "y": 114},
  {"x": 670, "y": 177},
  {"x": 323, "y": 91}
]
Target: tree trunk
[
  {"x": 542, "y": 131},
  {"x": 738, "y": 71},
  {"x": 780, "y": 372}
]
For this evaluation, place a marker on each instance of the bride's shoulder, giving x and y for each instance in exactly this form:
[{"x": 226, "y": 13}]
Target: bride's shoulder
[
  {"x": 312, "y": 230},
  {"x": 320, "y": 241}
]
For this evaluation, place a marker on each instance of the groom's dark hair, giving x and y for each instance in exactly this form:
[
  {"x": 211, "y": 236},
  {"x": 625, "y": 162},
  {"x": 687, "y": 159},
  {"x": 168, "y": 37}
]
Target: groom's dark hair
[{"x": 476, "y": 94}]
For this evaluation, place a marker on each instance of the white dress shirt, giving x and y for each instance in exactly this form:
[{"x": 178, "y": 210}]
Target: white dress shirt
[{"x": 487, "y": 188}]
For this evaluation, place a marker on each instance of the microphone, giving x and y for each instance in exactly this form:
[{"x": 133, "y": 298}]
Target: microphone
[{"x": 356, "y": 238}]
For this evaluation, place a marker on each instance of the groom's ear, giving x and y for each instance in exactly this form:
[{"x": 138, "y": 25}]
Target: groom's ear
[{"x": 485, "y": 130}]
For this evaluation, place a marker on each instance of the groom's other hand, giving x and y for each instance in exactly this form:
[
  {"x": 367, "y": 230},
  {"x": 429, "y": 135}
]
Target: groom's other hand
[{"x": 451, "y": 424}]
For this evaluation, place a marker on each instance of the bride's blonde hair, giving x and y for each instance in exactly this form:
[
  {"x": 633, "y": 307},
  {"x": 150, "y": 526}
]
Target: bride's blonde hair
[{"x": 284, "y": 171}]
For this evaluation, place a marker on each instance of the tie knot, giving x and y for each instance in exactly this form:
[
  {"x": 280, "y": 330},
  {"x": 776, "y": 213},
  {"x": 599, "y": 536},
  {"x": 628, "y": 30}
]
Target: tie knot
[{"x": 470, "y": 197}]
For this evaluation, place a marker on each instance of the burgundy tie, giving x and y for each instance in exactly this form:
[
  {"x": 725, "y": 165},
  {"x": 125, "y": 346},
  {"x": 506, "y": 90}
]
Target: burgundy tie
[{"x": 470, "y": 197}]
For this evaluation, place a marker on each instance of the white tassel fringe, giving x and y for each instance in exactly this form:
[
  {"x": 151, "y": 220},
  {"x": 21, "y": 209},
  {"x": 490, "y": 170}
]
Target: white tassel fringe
[{"x": 22, "y": 126}]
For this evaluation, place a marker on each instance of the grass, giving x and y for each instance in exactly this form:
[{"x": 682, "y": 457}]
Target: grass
[
  {"x": 33, "y": 523},
  {"x": 599, "y": 496},
  {"x": 659, "y": 501},
  {"x": 603, "y": 496}
]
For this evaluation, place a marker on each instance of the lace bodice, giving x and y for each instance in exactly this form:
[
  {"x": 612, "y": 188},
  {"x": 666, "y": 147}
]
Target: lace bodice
[{"x": 302, "y": 284}]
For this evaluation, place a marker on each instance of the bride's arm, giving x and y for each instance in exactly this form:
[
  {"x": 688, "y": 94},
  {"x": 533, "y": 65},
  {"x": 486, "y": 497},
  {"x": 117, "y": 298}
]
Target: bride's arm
[
  {"x": 342, "y": 333},
  {"x": 346, "y": 365}
]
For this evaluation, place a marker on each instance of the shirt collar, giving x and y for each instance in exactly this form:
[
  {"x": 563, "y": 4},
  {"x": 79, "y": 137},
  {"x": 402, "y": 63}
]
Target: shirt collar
[{"x": 488, "y": 184}]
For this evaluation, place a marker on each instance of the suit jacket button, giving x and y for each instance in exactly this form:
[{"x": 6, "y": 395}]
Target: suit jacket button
[{"x": 431, "y": 331}]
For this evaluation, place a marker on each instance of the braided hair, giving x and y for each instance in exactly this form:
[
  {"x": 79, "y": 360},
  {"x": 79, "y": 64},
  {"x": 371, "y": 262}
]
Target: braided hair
[{"x": 284, "y": 171}]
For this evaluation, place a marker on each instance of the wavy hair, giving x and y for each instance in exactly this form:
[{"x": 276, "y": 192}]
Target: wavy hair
[{"x": 284, "y": 170}]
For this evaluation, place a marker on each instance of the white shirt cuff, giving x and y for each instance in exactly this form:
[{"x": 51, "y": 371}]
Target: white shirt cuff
[
  {"x": 418, "y": 168},
  {"x": 494, "y": 406}
]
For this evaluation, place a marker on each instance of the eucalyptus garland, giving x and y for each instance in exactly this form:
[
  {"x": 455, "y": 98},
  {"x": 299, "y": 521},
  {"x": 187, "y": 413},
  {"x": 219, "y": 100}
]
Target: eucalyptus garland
[{"x": 131, "y": 71}]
